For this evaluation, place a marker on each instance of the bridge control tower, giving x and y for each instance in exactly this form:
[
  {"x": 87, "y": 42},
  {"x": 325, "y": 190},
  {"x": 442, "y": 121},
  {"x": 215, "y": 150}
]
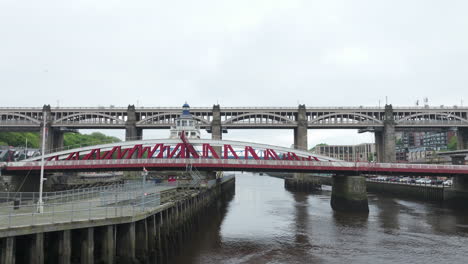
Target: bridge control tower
[{"x": 185, "y": 123}]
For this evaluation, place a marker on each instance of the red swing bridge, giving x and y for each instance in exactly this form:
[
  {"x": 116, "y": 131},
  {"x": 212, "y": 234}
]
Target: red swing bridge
[{"x": 212, "y": 155}]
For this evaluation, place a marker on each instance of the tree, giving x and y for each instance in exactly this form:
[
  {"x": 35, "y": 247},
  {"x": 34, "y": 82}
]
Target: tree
[
  {"x": 18, "y": 139},
  {"x": 452, "y": 144}
]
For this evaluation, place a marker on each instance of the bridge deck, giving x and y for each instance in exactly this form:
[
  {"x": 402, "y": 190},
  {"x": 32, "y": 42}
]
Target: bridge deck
[{"x": 240, "y": 165}]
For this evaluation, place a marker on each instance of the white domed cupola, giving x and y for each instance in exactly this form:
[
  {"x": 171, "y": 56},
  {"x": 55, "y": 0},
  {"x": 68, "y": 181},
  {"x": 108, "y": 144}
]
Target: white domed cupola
[{"x": 187, "y": 124}]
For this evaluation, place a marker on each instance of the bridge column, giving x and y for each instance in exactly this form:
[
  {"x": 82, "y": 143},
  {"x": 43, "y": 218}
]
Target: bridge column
[
  {"x": 126, "y": 243},
  {"x": 131, "y": 130},
  {"x": 141, "y": 238},
  {"x": 64, "y": 247},
  {"x": 87, "y": 245},
  {"x": 388, "y": 144},
  {"x": 54, "y": 137},
  {"x": 216, "y": 129},
  {"x": 7, "y": 250},
  {"x": 462, "y": 138},
  {"x": 458, "y": 193},
  {"x": 36, "y": 248},
  {"x": 349, "y": 194},
  {"x": 105, "y": 244},
  {"x": 300, "y": 140},
  {"x": 379, "y": 145}
]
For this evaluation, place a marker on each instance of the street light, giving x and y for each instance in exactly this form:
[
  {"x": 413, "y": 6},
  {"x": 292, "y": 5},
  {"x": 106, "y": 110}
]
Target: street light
[
  {"x": 144, "y": 174},
  {"x": 40, "y": 203}
]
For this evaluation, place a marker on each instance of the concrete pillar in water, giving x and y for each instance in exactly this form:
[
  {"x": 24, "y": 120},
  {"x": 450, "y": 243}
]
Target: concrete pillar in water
[
  {"x": 64, "y": 248},
  {"x": 462, "y": 138},
  {"x": 349, "y": 194},
  {"x": 107, "y": 244},
  {"x": 7, "y": 250},
  {"x": 141, "y": 243},
  {"x": 87, "y": 246},
  {"x": 126, "y": 242},
  {"x": 389, "y": 141},
  {"x": 151, "y": 225},
  {"x": 300, "y": 135},
  {"x": 36, "y": 249},
  {"x": 131, "y": 130},
  {"x": 458, "y": 193}
]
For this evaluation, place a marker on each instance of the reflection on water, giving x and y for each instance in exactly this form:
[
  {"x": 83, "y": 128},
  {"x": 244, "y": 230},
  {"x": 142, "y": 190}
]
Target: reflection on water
[{"x": 264, "y": 223}]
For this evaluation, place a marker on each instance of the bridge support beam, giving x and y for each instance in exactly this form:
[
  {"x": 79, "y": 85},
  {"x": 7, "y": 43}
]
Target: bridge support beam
[
  {"x": 385, "y": 142},
  {"x": 36, "y": 249},
  {"x": 105, "y": 244},
  {"x": 87, "y": 245},
  {"x": 131, "y": 130},
  {"x": 349, "y": 194},
  {"x": 64, "y": 247},
  {"x": 458, "y": 194},
  {"x": 216, "y": 129},
  {"x": 7, "y": 250},
  {"x": 141, "y": 246},
  {"x": 462, "y": 138},
  {"x": 54, "y": 136},
  {"x": 300, "y": 140},
  {"x": 126, "y": 243}
]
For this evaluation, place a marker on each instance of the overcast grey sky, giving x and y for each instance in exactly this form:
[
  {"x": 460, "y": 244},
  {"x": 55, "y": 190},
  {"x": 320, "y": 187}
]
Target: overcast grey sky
[{"x": 237, "y": 53}]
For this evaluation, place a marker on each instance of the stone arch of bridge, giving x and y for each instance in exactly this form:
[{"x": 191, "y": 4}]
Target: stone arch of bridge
[
  {"x": 167, "y": 117},
  {"x": 268, "y": 116},
  {"x": 21, "y": 115},
  {"x": 429, "y": 115},
  {"x": 349, "y": 115},
  {"x": 91, "y": 115}
]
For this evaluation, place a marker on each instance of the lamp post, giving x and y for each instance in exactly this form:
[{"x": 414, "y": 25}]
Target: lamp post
[
  {"x": 40, "y": 203},
  {"x": 144, "y": 174}
]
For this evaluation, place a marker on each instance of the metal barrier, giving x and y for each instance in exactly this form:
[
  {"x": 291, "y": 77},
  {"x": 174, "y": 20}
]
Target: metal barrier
[{"x": 81, "y": 205}]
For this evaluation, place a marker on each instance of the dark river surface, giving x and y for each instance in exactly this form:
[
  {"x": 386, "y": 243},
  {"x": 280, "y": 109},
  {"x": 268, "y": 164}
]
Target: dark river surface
[{"x": 264, "y": 223}]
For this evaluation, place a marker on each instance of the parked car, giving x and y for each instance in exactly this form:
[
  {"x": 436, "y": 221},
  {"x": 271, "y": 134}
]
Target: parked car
[
  {"x": 405, "y": 179},
  {"x": 423, "y": 181},
  {"x": 447, "y": 182},
  {"x": 380, "y": 178}
]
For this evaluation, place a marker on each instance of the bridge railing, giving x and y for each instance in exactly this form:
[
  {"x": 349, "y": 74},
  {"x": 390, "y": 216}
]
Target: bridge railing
[{"x": 123, "y": 201}]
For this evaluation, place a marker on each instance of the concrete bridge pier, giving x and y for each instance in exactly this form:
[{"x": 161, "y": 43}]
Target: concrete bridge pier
[
  {"x": 126, "y": 243},
  {"x": 216, "y": 129},
  {"x": 458, "y": 193},
  {"x": 7, "y": 250},
  {"x": 462, "y": 138},
  {"x": 54, "y": 136},
  {"x": 385, "y": 142},
  {"x": 349, "y": 194},
  {"x": 141, "y": 245},
  {"x": 131, "y": 130},
  {"x": 300, "y": 140}
]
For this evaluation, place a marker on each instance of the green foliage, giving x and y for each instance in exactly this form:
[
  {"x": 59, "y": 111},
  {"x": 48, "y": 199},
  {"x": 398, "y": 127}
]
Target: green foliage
[
  {"x": 18, "y": 139},
  {"x": 452, "y": 145},
  {"x": 399, "y": 142},
  {"x": 77, "y": 140}
]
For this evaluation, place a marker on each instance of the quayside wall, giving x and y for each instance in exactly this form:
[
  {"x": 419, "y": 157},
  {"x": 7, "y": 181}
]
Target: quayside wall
[{"x": 153, "y": 236}]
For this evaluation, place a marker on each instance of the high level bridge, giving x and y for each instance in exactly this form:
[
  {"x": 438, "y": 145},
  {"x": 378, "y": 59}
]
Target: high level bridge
[{"x": 383, "y": 121}]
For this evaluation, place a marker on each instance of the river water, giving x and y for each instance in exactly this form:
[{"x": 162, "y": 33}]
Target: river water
[{"x": 264, "y": 223}]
